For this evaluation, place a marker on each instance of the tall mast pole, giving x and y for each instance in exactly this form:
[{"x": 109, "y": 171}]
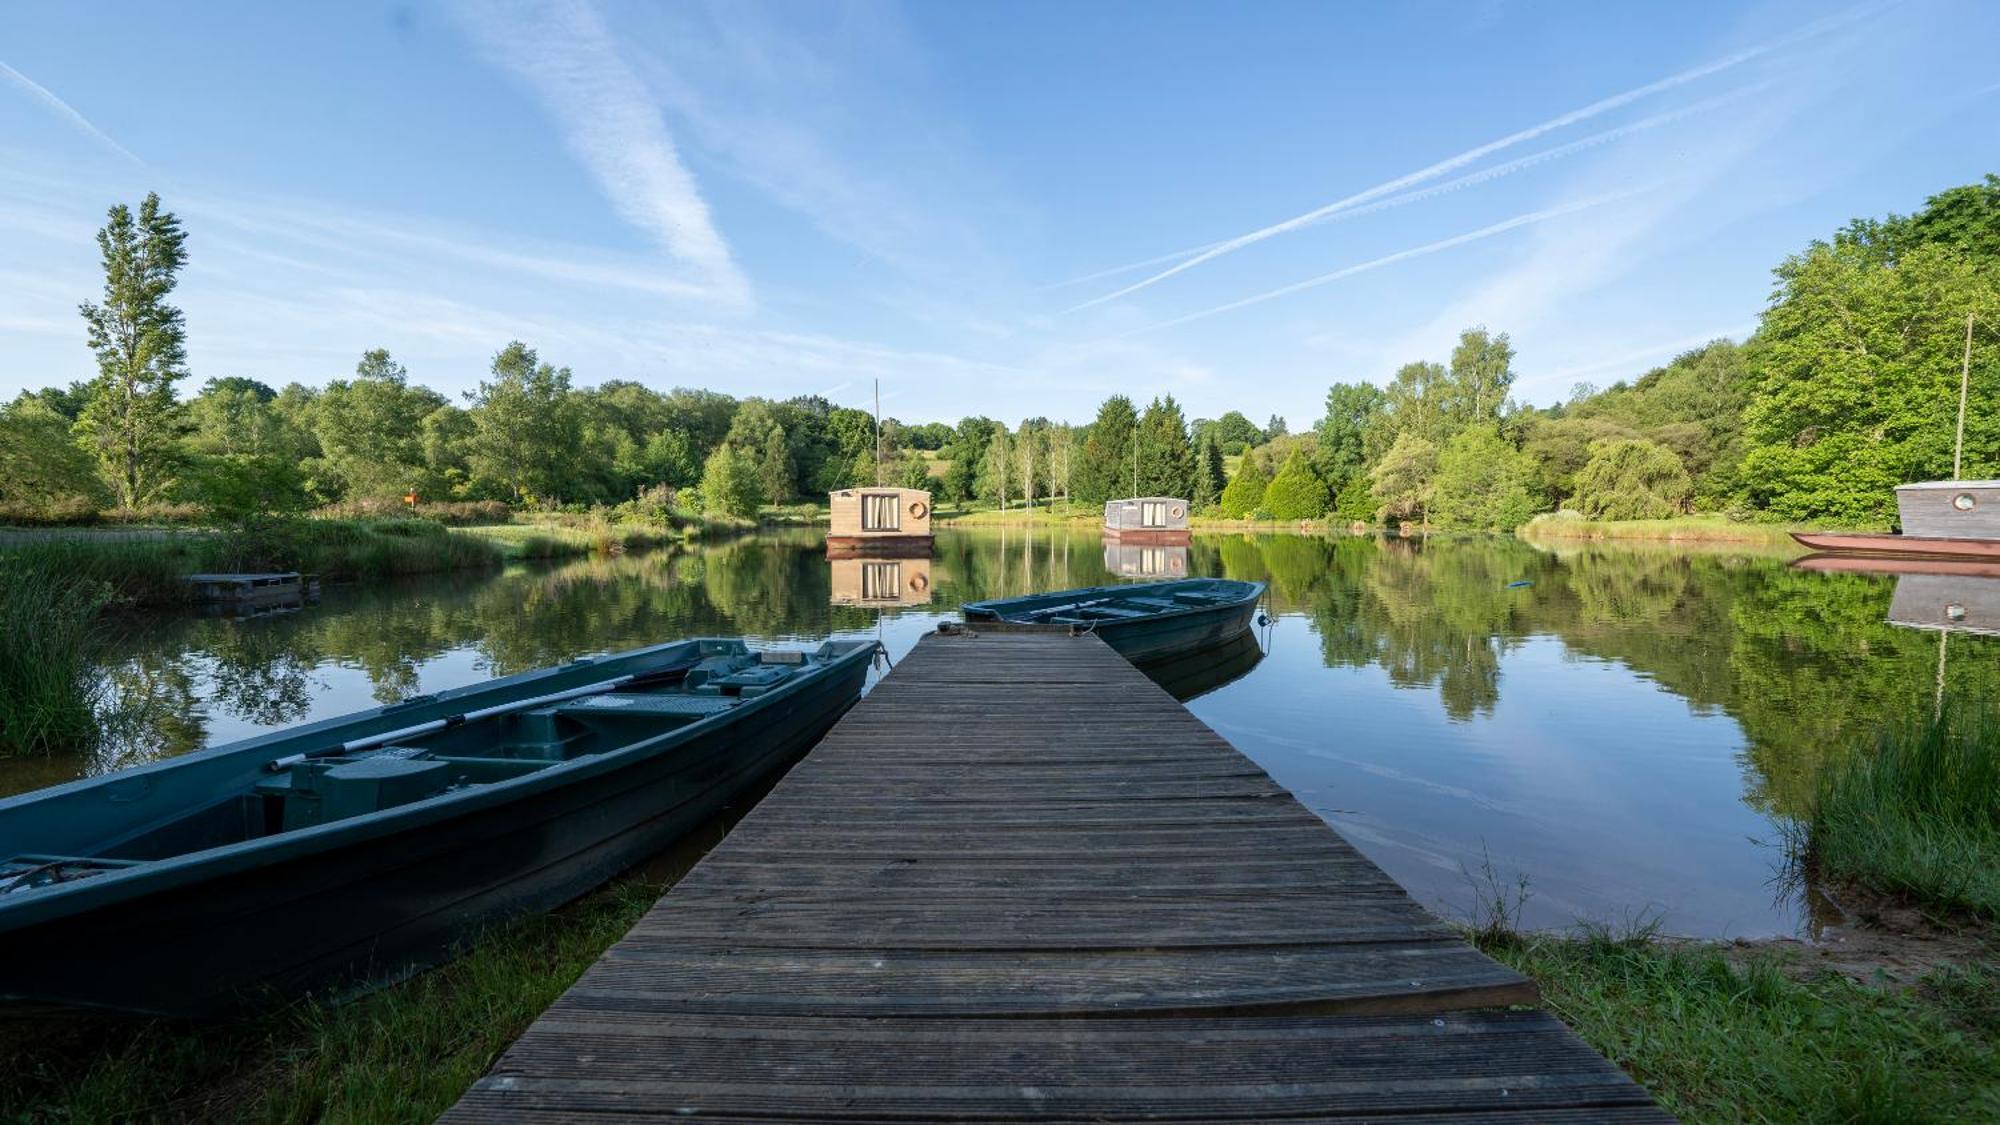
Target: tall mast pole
[
  {"x": 1964, "y": 381},
  {"x": 878, "y": 433}
]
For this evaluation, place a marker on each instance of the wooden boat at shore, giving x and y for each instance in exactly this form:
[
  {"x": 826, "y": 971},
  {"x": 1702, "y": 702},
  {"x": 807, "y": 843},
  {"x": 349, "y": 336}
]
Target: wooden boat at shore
[
  {"x": 1144, "y": 621},
  {"x": 1945, "y": 519},
  {"x": 350, "y": 851}
]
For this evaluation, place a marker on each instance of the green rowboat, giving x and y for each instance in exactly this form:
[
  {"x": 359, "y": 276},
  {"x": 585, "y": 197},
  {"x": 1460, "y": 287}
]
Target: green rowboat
[
  {"x": 349, "y": 851},
  {"x": 1144, "y": 621}
]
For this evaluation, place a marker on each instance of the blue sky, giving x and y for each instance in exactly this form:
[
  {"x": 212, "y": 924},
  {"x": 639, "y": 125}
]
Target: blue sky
[{"x": 1008, "y": 209}]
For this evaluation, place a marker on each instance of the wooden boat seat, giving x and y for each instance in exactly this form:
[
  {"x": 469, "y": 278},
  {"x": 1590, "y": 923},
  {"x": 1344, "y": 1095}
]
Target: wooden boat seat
[
  {"x": 1156, "y": 603},
  {"x": 1116, "y": 613}
]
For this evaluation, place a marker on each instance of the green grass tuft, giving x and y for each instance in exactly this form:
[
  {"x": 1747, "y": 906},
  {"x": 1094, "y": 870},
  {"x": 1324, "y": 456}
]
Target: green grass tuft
[
  {"x": 1916, "y": 817},
  {"x": 1723, "y": 1042},
  {"x": 48, "y": 638}
]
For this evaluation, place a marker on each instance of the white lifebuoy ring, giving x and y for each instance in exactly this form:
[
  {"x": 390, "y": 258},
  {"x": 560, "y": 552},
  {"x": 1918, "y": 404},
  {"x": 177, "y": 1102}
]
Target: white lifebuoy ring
[
  {"x": 920, "y": 583},
  {"x": 917, "y": 509},
  {"x": 1175, "y": 511}
]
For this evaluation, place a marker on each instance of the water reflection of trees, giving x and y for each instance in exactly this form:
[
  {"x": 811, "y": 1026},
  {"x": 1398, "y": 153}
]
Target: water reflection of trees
[{"x": 1805, "y": 663}]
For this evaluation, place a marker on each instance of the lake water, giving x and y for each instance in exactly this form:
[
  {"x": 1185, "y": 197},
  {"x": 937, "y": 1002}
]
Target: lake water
[{"x": 1625, "y": 728}]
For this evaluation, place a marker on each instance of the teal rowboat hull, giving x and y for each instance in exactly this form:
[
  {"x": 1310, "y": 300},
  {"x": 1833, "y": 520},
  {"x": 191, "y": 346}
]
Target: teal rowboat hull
[
  {"x": 350, "y": 851},
  {"x": 1145, "y": 621}
]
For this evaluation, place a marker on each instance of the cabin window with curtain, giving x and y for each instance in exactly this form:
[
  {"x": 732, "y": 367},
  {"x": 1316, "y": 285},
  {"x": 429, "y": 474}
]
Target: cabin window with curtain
[
  {"x": 881, "y": 513},
  {"x": 881, "y": 581},
  {"x": 1153, "y": 513}
]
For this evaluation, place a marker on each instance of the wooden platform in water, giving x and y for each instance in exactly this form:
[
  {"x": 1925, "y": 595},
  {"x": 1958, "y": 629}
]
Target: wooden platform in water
[{"x": 1020, "y": 882}]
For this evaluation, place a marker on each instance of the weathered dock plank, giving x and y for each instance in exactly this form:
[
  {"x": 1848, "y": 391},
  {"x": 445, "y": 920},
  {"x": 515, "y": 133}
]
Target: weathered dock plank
[{"x": 1020, "y": 882}]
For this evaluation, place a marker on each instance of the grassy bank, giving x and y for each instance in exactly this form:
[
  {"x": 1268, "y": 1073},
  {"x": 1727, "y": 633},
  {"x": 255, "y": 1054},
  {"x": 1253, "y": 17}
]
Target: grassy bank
[
  {"x": 519, "y": 541},
  {"x": 1702, "y": 529},
  {"x": 1719, "y": 1037},
  {"x": 150, "y": 567},
  {"x": 1915, "y": 817}
]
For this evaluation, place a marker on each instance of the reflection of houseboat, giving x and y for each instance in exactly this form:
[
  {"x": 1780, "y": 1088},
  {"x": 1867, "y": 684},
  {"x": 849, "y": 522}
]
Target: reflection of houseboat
[
  {"x": 1947, "y": 519},
  {"x": 879, "y": 523},
  {"x": 1950, "y": 602},
  {"x": 1147, "y": 519},
  {"x": 881, "y": 582},
  {"x": 1145, "y": 560}
]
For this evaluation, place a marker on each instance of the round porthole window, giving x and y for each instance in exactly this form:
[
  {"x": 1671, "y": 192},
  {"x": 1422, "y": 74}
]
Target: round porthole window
[{"x": 1963, "y": 502}]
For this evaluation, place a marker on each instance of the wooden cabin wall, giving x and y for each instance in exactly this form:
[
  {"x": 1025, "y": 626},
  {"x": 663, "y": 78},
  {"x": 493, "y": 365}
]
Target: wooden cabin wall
[
  {"x": 1929, "y": 512},
  {"x": 844, "y": 517}
]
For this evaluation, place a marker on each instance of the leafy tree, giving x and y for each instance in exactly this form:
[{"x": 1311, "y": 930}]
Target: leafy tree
[
  {"x": 1355, "y": 502},
  {"x": 1856, "y": 382},
  {"x": 960, "y": 476},
  {"x": 1560, "y": 447},
  {"x": 757, "y": 433},
  {"x": 1061, "y": 443},
  {"x": 1482, "y": 372},
  {"x": 997, "y": 467},
  {"x": 43, "y": 471},
  {"x": 1405, "y": 478},
  {"x": 669, "y": 459},
  {"x": 1275, "y": 428},
  {"x": 916, "y": 472},
  {"x": 1297, "y": 492},
  {"x": 1352, "y": 410},
  {"x": 1166, "y": 459},
  {"x": 1208, "y": 475},
  {"x": 67, "y": 401},
  {"x": 1234, "y": 433},
  {"x": 527, "y": 428},
  {"x": 1483, "y": 483},
  {"x": 1028, "y": 459},
  {"x": 131, "y": 422},
  {"x": 370, "y": 428},
  {"x": 729, "y": 484},
  {"x": 1417, "y": 402},
  {"x": 445, "y": 439},
  {"x": 1245, "y": 491},
  {"x": 1632, "y": 479},
  {"x": 1104, "y": 470}
]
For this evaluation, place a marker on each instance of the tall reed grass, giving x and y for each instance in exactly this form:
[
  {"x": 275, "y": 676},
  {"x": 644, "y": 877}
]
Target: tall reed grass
[
  {"x": 1915, "y": 816},
  {"x": 48, "y": 639}
]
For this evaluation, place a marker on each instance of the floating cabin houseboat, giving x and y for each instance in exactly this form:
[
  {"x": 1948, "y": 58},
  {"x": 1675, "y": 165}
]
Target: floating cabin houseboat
[
  {"x": 879, "y": 523},
  {"x": 1147, "y": 519},
  {"x": 881, "y": 583},
  {"x": 1946, "y": 519}
]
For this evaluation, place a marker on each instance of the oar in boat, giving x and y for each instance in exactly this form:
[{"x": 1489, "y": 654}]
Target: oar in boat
[{"x": 639, "y": 679}]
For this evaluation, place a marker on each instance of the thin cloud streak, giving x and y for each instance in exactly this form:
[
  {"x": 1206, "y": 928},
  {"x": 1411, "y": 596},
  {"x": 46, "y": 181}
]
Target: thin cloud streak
[
  {"x": 1661, "y": 352},
  {"x": 1503, "y": 227},
  {"x": 564, "y": 54},
  {"x": 1471, "y": 155},
  {"x": 65, "y": 111}
]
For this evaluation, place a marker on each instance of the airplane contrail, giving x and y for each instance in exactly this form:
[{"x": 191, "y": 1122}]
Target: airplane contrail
[
  {"x": 1390, "y": 259},
  {"x": 1594, "y": 109},
  {"x": 64, "y": 110}
]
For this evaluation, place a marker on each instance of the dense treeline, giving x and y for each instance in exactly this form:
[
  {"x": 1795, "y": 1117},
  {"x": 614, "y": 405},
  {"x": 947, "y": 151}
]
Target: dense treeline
[{"x": 1848, "y": 388}]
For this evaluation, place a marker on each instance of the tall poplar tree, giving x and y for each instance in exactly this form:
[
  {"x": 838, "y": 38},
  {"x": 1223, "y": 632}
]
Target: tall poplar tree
[{"x": 132, "y": 419}]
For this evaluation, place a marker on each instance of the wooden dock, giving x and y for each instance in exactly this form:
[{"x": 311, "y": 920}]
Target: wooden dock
[{"x": 1020, "y": 882}]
